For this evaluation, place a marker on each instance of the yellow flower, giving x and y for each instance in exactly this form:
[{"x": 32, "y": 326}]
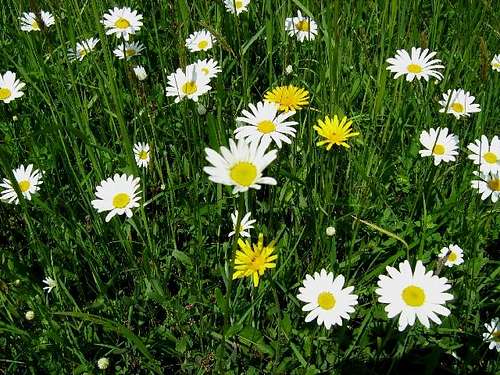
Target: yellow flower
[
  {"x": 289, "y": 98},
  {"x": 253, "y": 262},
  {"x": 335, "y": 133}
]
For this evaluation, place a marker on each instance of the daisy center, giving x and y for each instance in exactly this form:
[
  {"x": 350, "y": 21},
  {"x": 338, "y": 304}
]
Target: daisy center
[
  {"x": 204, "y": 71},
  {"x": 494, "y": 184},
  {"x": 35, "y": 25},
  {"x": 413, "y": 296},
  {"x": 143, "y": 155},
  {"x": 243, "y": 173},
  {"x": 24, "y": 185},
  {"x": 82, "y": 53},
  {"x": 496, "y": 336},
  {"x": 5, "y": 93},
  {"x": 121, "y": 200},
  {"x": 122, "y": 23},
  {"x": 238, "y": 4},
  {"x": 438, "y": 150},
  {"x": 452, "y": 257},
  {"x": 302, "y": 25},
  {"x": 326, "y": 300},
  {"x": 129, "y": 52},
  {"x": 202, "y": 44},
  {"x": 457, "y": 107},
  {"x": 414, "y": 68},
  {"x": 189, "y": 87},
  {"x": 496, "y": 65},
  {"x": 266, "y": 126},
  {"x": 490, "y": 158}
]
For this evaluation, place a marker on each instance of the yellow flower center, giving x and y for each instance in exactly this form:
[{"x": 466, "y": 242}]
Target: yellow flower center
[
  {"x": 452, "y": 257},
  {"x": 496, "y": 336},
  {"x": 438, "y": 150},
  {"x": 189, "y": 87},
  {"x": 414, "y": 68},
  {"x": 496, "y": 65},
  {"x": 243, "y": 173},
  {"x": 302, "y": 25},
  {"x": 204, "y": 71},
  {"x": 258, "y": 262},
  {"x": 82, "y": 53},
  {"x": 490, "y": 158},
  {"x": 457, "y": 107},
  {"x": 413, "y": 296},
  {"x": 121, "y": 200},
  {"x": 122, "y": 23},
  {"x": 5, "y": 93},
  {"x": 266, "y": 126},
  {"x": 130, "y": 52},
  {"x": 238, "y": 4},
  {"x": 35, "y": 26},
  {"x": 24, "y": 185},
  {"x": 143, "y": 155},
  {"x": 494, "y": 184},
  {"x": 326, "y": 300},
  {"x": 202, "y": 44}
]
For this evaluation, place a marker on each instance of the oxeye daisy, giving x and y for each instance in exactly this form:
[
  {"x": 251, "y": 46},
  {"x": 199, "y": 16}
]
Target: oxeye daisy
[
  {"x": 413, "y": 294},
  {"x": 128, "y": 50},
  {"x": 30, "y": 21},
  {"x": 288, "y": 98},
  {"x": 200, "y": 41},
  {"x": 495, "y": 63},
  {"x": 190, "y": 84},
  {"x": 492, "y": 334},
  {"x": 118, "y": 195},
  {"x": 486, "y": 154},
  {"x": 27, "y": 179},
  {"x": 334, "y": 132},
  {"x": 240, "y": 166},
  {"x": 326, "y": 298},
  {"x": 253, "y": 262},
  {"x": 453, "y": 255},
  {"x": 122, "y": 22},
  {"x": 302, "y": 27},
  {"x": 459, "y": 103},
  {"x": 141, "y": 152},
  {"x": 10, "y": 87},
  {"x": 140, "y": 72},
  {"x": 245, "y": 224},
  {"x": 82, "y": 49},
  {"x": 236, "y": 6},
  {"x": 208, "y": 68},
  {"x": 51, "y": 284},
  {"x": 265, "y": 125},
  {"x": 419, "y": 65},
  {"x": 488, "y": 185},
  {"x": 439, "y": 144}
]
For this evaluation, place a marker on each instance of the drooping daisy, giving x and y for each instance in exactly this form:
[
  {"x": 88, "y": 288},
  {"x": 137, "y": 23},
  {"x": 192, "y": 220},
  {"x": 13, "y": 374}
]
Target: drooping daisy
[
  {"x": 459, "y": 103},
  {"x": 10, "y": 87},
  {"x": 245, "y": 224},
  {"x": 118, "y": 195},
  {"x": 439, "y": 144},
  {"x": 30, "y": 21},
  {"x": 240, "y": 166},
  {"x": 265, "y": 125},
  {"x": 82, "y": 49},
  {"x": 128, "y": 50},
  {"x": 208, "y": 68},
  {"x": 28, "y": 180},
  {"x": 141, "y": 152},
  {"x": 302, "y": 27},
  {"x": 420, "y": 64},
  {"x": 288, "y": 98},
  {"x": 200, "y": 41},
  {"x": 492, "y": 334},
  {"x": 140, "y": 72},
  {"x": 453, "y": 255},
  {"x": 190, "y": 84},
  {"x": 327, "y": 300},
  {"x": 236, "y": 6},
  {"x": 488, "y": 185},
  {"x": 413, "y": 294},
  {"x": 334, "y": 132},
  {"x": 254, "y": 261},
  {"x": 122, "y": 22},
  {"x": 51, "y": 284},
  {"x": 486, "y": 154},
  {"x": 495, "y": 63}
]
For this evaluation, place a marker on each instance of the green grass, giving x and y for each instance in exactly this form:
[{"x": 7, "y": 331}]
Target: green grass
[{"x": 151, "y": 293}]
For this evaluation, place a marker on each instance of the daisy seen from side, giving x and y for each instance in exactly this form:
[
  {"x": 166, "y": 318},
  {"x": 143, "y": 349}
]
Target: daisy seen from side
[
  {"x": 128, "y": 50},
  {"x": 439, "y": 144},
  {"x": 486, "y": 154},
  {"x": 495, "y": 63},
  {"x": 488, "y": 185},
  {"x": 236, "y": 6},
  {"x": 31, "y": 22},
  {"x": 245, "y": 224},
  {"x": 140, "y": 72},
  {"x": 208, "y": 68},
  {"x": 82, "y": 49},
  {"x": 50, "y": 284},
  {"x": 28, "y": 181},
  {"x": 492, "y": 334},
  {"x": 416, "y": 64}
]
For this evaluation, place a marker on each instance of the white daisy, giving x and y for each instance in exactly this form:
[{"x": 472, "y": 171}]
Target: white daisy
[
  {"x": 495, "y": 63},
  {"x": 82, "y": 49},
  {"x": 236, "y": 6},
  {"x": 10, "y": 87},
  {"x": 189, "y": 84},
  {"x": 439, "y": 144},
  {"x": 459, "y": 103},
  {"x": 413, "y": 294},
  {"x": 486, "y": 154},
  {"x": 418, "y": 65},
  {"x": 51, "y": 284},
  {"x": 488, "y": 184},
  {"x": 128, "y": 50},
  {"x": 118, "y": 195},
  {"x": 266, "y": 125},
  {"x": 30, "y": 21},
  {"x": 208, "y": 68},
  {"x": 200, "y": 41},
  {"x": 140, "y": 72},
  {"x": 245, "y": 225},
  {"x": 28, "y": 180},
  {"x": 241, "y": 165},
  {"x": 453, "y": 255},
  {"x": 122, "y": 22},
  {"x": 141, "y": 152},
  {"x": 492, "y": 334},
  {"x": 326, "y": 299},
  {"x": 302, "y": 27}
]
